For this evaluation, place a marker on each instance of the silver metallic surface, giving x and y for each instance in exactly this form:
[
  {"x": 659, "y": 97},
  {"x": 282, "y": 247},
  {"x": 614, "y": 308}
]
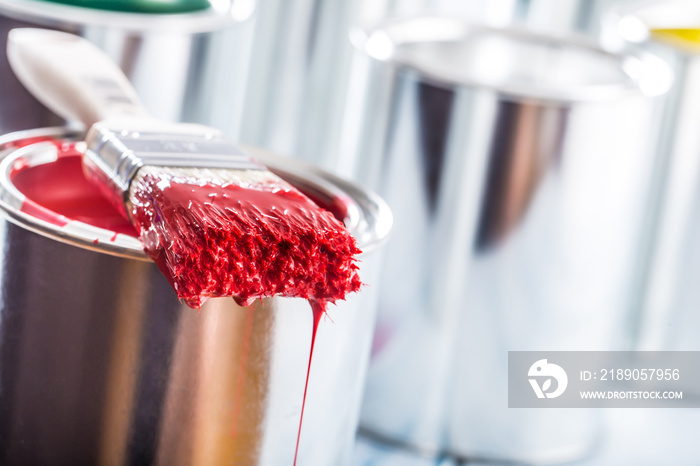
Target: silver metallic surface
[
  {"x": 517, "y": 169},
  {"x": 669, "y": 296},
  {"x": 299, "y": 78},
  {"x": 180, "y": 64},
  {"x": 100, "y": 363},
  {"x": 304, "y": 85}
]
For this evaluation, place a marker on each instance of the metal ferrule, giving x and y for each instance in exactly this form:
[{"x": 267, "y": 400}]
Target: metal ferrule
[{"x": 114, "y": 155}]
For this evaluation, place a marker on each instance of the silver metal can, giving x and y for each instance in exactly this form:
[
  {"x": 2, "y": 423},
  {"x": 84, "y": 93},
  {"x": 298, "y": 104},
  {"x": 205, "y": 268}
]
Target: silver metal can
[
  {"x": 100, "y": 363},
  {"x": 517, "y": 167},
  {"x": 295, "y": 97},
  {"x": 669, "y": 297},
  {"x": 181, "y": 64}
]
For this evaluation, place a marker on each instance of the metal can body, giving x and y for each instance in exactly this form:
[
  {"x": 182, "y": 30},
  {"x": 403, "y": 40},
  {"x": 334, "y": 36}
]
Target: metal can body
[
  {"x": 517, "y": 168},
  {"x": 101, "y": 364},
  {"x": 180, "y": 64}
]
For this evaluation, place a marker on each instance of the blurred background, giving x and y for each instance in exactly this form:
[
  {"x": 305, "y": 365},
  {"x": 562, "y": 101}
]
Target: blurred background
[{"x": 540, "y": 158}]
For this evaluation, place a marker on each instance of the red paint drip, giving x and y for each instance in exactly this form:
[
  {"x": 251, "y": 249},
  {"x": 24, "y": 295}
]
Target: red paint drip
[
  {"x": 318, "y": 309},
  {"x": 247, "y": 242},
  {"x": 58, "y": 192}
]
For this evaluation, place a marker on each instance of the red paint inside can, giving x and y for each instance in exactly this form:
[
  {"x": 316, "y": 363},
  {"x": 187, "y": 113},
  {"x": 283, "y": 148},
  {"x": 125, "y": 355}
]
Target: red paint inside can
[{"x": 58, "y": 192}]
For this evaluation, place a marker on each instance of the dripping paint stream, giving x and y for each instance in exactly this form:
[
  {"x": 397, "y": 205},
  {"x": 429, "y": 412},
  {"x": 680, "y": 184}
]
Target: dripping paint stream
[{"x": 318, "y": 310}]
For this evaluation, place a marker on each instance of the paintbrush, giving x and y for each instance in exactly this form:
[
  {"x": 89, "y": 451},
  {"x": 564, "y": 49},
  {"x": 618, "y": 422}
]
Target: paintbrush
[{"x": 216, "y": 222}]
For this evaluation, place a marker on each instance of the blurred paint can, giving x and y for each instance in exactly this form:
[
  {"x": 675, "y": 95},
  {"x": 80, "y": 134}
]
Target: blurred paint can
[
  {"x": 517, "y": 167},
  {"x": 669, "y": 297}
]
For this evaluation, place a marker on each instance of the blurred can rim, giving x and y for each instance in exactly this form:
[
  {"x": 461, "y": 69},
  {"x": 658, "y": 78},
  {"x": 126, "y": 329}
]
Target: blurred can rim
[
  {"x": 653, "y": 14},
  {"x": 644, "y": 72},
  {"x": 634, "y": 23}
]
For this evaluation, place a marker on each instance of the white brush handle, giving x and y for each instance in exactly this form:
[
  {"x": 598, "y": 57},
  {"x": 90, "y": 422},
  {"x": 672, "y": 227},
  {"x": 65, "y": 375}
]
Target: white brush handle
[{"x": 71, "y": 76}]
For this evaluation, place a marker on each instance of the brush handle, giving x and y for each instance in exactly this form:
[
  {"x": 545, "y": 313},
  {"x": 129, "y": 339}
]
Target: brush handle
[{"x": 71, "y": 76}]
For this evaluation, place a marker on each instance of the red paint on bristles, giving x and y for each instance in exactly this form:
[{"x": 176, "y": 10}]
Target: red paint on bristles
[{"x": 217, "y": 239}]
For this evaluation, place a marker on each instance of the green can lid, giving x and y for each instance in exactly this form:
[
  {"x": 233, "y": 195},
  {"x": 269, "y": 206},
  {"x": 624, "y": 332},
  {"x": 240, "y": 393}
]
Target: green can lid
[{"x": 141, "y": 6}]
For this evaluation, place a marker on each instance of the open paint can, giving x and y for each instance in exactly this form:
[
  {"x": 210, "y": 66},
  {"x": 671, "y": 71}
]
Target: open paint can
[
  {"x": 181, "y": 64},
  {"x": 517, "y": 166},
  {"x": 101, "y": 364}
]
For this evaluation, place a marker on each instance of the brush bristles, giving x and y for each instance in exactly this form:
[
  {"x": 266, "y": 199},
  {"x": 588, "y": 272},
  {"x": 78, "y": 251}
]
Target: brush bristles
[{"x": 241, "y": 233}]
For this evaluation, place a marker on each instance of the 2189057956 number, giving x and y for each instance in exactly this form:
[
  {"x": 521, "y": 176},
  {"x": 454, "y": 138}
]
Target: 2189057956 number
[{"x": 640, "y": 374}]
